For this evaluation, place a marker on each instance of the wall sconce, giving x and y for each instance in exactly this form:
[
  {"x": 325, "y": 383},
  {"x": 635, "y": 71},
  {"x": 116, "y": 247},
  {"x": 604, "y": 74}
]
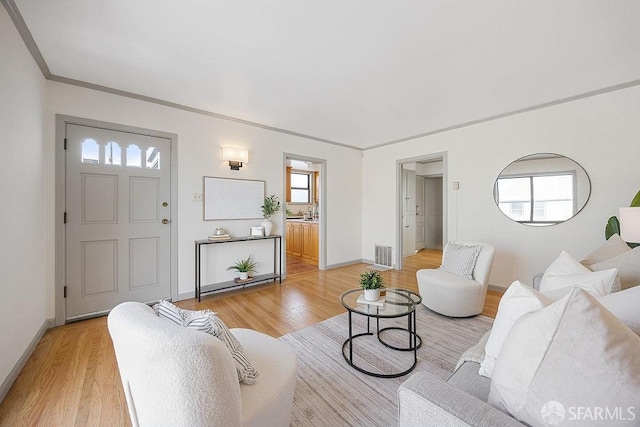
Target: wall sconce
[
  {"x": 235, "y": 156},
  {"x": 630, "y": 224}
]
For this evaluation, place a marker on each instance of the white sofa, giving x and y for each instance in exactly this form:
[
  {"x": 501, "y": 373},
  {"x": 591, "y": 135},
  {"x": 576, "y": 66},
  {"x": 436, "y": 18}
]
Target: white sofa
[
  {"x": 175, "y": 376},
  {"x": 461, "y": 400}
]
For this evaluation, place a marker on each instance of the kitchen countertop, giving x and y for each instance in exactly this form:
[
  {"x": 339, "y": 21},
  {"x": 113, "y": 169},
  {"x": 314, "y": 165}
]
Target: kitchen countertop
[{"x": 315, "y": 221}]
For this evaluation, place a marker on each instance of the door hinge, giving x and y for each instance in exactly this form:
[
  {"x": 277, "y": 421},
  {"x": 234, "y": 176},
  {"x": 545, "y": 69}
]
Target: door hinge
[
  {"x": 65, "y": 143},
  {"x": 65, "y": 291},
  {"x": 65, "y": 218}
]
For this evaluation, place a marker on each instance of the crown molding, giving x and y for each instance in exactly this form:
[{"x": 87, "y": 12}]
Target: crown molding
[
  {"x": 145, "y": 98},
  {"x": 589, "y": 94},
  {"x": 27, "y": 38}
]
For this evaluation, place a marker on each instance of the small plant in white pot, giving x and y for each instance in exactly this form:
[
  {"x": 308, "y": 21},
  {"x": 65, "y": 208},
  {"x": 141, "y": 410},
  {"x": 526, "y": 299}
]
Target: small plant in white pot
[
  {"x": 244, "y": 267},
  {"x": 371, "y": 282}
]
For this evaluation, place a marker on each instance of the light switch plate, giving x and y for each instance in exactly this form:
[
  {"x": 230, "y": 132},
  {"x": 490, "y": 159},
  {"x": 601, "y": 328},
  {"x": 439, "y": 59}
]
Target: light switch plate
[{"x": 456, "y": 185}]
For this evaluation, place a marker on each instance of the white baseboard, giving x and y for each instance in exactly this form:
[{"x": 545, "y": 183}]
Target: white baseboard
[
  {"x": 186, "y": 295},
  {"x": 344, "y": 264},
  {"x": 497, "y": 288},
  {"x": 13, "y": 375}
]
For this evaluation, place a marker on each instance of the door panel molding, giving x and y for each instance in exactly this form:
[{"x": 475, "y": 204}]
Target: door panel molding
[
  {"x": 143, "y": 212},
  {"x": 105, "y": 254},
  {"x": 104, "y": 184},
  {"x": 140, "y": 277},
  {"x": 60, "y": 196}
]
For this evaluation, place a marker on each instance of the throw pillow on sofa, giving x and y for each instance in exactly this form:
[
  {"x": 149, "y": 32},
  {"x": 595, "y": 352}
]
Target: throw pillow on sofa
[
  {"x": 574, "y": 352},
  {"x": 207, "y": 321},
  {"x": 460, "y": 259},
  {"x": 628, "y": 265},
  {"x": 518, "y": 300},
  {"x": 566, "y": 272},
  {"x": 613, "y": 247},
  {"x": 594, "y": 287},
  {"x": 625, "y": 305},
  {"x": 197, "y": 320}
]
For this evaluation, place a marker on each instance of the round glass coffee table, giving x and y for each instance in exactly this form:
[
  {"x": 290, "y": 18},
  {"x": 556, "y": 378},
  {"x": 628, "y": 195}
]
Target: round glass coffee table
[{"x": 398, "y": 303}]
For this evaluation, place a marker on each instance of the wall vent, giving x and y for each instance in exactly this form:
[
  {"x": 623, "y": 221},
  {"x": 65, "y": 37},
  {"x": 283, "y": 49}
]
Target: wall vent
[{"x": 383, "y": 256}]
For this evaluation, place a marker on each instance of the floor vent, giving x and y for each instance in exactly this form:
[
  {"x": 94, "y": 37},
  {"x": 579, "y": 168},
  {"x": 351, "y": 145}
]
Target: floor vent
[{"x": 383, "y": 257}]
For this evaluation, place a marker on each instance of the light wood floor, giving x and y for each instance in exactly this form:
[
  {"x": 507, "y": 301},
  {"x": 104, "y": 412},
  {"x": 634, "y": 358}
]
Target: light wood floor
[
  {"x": 297, "y": 264},
  {"x": 72, "y": 377}
]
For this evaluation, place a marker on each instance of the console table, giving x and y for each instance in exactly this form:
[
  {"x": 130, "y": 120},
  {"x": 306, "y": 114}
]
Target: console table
[{"x": 217, "y": 287}]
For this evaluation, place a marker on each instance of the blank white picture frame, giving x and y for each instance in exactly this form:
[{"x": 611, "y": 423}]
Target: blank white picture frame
[{"x": 229, "y": 198}]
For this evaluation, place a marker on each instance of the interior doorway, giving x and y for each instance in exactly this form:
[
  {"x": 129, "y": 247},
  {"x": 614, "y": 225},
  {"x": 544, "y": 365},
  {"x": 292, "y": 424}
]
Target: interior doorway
[
  {"x": 422, "y": 206},
  {"x": 304, "y": 210}
]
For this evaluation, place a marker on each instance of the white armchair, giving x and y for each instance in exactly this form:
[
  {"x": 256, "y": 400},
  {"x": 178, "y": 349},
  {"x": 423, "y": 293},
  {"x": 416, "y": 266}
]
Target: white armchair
[
  {"x": 175, "y": 376},
  {"x": 453, "y": 295}
]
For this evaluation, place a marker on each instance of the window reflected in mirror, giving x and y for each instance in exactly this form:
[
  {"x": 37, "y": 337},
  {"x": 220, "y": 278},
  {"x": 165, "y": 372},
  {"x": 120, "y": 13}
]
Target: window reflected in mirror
[{"x": 542, "y": 189}]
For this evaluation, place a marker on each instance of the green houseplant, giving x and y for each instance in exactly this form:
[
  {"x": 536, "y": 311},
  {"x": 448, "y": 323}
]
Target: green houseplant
[
  {"x": 270, "y": 206},
  {"x": 244, "y": 267},
  {"x": 613, "y": 224},
  {"x": 371, "y": 282}
]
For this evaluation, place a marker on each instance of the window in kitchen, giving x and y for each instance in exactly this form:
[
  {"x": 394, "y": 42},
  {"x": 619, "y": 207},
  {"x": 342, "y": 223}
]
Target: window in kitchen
[{"x": 300, "y": 187}]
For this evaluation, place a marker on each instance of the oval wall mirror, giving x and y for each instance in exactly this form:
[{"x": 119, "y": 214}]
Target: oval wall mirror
[{"x": 542, "y": 189}]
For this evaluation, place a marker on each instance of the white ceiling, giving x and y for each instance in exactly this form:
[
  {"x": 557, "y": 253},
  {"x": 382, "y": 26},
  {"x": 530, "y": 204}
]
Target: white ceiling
[{"x": 355, "y": 72}]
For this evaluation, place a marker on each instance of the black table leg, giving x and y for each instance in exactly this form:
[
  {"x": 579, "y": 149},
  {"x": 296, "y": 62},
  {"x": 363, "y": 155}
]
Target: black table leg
[
  {"x": 198, "y": 285},
  {"x": 350, "y": 339}
]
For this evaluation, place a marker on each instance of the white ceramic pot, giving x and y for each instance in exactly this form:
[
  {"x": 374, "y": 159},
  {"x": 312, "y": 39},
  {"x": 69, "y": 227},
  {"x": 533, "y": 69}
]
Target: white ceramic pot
[
  {"x": 244, "y": 275},
  {"x": 268, "y": 227},
  {"x": 371, "y": 294}
]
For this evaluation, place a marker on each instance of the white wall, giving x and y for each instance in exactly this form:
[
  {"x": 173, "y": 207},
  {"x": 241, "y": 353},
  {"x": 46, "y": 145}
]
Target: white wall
[
  {"x": 23, "y": 255},
  {"x": 200, "y": 141},
  {"x": 602, "y": 133}
]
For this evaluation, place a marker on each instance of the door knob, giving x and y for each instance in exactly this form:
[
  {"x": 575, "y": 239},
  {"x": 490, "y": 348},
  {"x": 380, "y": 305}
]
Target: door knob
[{"x": 165, "y": 221}]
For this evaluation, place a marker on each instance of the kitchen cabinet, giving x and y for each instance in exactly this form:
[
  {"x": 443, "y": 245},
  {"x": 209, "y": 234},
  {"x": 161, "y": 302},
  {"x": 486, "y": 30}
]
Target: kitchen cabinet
[
  {"x": 296, "y": 239},
  {"x": 303, "y": 240},
  {"x": 288, "y": 186},
  {"x": 289, "y": 237},
  {"x": 316, "y": 189},
  {"x": 315, "y": 243},
  {"x": 307, "y": 242}
]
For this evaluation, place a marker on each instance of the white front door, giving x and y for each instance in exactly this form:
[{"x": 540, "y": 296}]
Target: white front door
[{"x": 118, "y": 231}]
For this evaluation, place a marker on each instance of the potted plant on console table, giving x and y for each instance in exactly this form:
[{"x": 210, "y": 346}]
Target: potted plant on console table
[
  {"x": 244, "y": 267},
  {"x": 271, "y": 206},
  {"x": 371, "y": 282}
]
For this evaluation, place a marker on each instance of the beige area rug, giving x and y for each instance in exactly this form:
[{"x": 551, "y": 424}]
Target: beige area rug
[{"x": 329, "y": 392}]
